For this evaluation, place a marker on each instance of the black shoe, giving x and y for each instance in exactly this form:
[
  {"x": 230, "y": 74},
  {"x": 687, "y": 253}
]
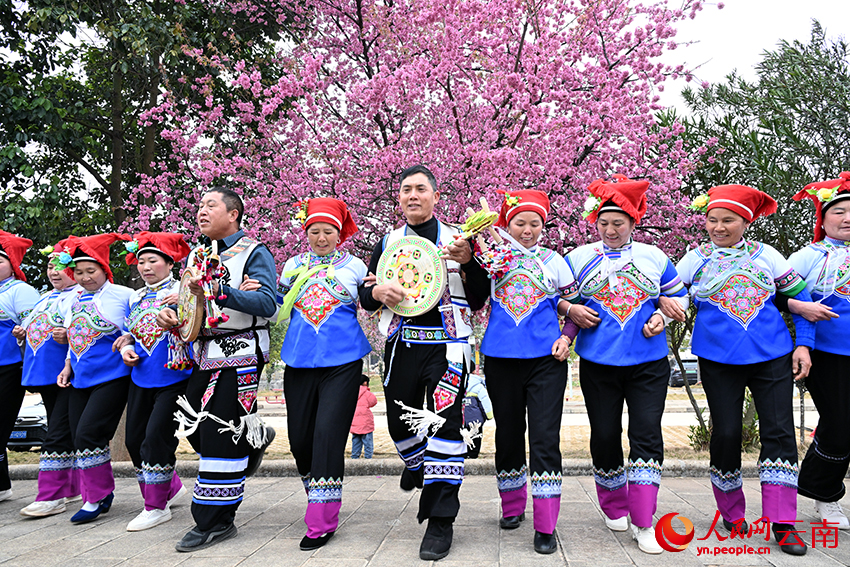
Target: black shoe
[
  {"x": 255, "y": 457},
  {"x": 438, "y": 539},
  {"x": 196, "y": 539},
  {"x": 310, "y": 543},
  {"x": 734, "y": 528},
  {"x": 511, "y": 522},
  {"x": 789, "y": 540},
  {"x": 412, "y": 479},
  {"x": 545, "y": 543}
]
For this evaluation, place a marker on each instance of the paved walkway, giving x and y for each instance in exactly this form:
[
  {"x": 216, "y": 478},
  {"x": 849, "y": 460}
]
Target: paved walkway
[{"x": 378, "y": 528}]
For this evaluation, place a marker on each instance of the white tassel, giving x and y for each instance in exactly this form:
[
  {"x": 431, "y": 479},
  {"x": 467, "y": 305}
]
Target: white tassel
[
  {"x": 255, "y": 430},
  {"x": 419, "y": 421},
  {"x": 471, "y": 433},
  {"x": 187, "y": 425},
  {"x": 252, "y": 424}
]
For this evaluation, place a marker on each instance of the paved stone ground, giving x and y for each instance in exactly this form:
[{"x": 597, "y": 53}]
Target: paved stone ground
[{"x": 378, "y": 528}]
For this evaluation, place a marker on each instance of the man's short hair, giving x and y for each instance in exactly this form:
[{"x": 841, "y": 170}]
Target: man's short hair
[
  {"x": 232, "y": 201},
  {"x": 418, "y": 169}
]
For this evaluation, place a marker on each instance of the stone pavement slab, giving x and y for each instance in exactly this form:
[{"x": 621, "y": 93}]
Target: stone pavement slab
[{"x": 379, "y": 529}]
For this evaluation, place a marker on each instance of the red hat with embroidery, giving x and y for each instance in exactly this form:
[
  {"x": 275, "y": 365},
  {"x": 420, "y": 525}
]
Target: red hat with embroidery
[
  {"x": 331, "y": 211},
  {"x": 520, "y": 201},
  {"x": 622, "y": 195},
  {"x": 746, "y": 201},
  {"x": 824, "y": 194},
  {"x": 88, "y": 248},
  {"x": 169, "y": 245},
  {"x": 13, "y": 248}
]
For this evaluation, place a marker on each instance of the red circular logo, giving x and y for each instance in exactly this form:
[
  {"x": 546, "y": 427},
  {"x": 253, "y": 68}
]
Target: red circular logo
[{"x": 670, "y": 539}]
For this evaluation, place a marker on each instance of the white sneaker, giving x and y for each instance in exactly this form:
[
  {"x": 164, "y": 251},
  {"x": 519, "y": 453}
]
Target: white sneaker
[
  {"x": 5, "y": 494},
  {"x": 645, "y": 538},
  {"x": 831, "y": 512},
  {"x": 148, "y": 519},
  {"x": 71, "y": 499},
  {"x": 43, "y": 508},
  {"x": 181, "y": 492},
  {"x": 618, "y": 524}
]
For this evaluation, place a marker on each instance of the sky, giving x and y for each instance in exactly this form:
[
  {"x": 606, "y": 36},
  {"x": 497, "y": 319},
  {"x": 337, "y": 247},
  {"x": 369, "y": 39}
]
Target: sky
[{"x": 736, "y": 36}]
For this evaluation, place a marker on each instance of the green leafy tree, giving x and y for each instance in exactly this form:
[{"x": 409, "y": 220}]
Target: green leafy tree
[
  {"x": 778, "y": 133},
  {"x": 74, "y": 78}
]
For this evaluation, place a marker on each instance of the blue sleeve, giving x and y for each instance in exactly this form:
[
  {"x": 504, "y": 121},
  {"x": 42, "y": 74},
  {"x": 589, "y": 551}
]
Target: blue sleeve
[
  {"x": 805, "y": 330},
  {"x": 263, "y": 302},
  {"x": 671, "y": 283}
]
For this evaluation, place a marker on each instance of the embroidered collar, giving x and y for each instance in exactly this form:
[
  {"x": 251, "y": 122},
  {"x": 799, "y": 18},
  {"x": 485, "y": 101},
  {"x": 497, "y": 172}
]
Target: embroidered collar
[
  {"x": 739, "y": 246},
  {"x": 329, "y": 259},
  {"x": 608, "y": 250},
  {"x": 162, "y": 284},
  {"x": 7, "y": 280},
  {"x": 837, "y": 243}
]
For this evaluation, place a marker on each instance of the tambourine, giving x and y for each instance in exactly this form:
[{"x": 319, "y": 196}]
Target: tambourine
[
  {"x": 415, "y": 264},
  {"x": 190, "y": 308}
]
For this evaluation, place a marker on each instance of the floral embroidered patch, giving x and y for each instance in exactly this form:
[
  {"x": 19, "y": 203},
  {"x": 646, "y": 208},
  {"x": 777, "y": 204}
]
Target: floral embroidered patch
[
  {"x": 623, "y": 302},
  {"x": 740, "y": 298},
  {"x": 316, "y": 305},
  {"x": 144, "y": 328},
  {"x": 38, "y": 331},
  {"x": 519, "y": 295},
  {"x": 446, "y": 391}
]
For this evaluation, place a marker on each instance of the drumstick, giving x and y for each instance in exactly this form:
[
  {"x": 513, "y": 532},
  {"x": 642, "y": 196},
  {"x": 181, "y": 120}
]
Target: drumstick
[
  {"x": 478, "y": 238},
  {"x": 485, "y": 206}
]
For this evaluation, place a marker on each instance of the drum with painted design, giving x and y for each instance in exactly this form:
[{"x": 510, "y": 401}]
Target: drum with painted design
[
  {"x": 415, "y": 264},
  {"x": 190, "y": 308}
]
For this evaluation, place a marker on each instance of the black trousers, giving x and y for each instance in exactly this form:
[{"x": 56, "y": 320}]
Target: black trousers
[
  {"x": 644, "y": 388},
  {"x": 94, "y": 414},
  {"x": 535, "y": 386},
  {"x": 221, "y": 472},
  {"x": 56, "y": 475},
  {"x": 417, "y": 372},
  {"x": 320, "y": 405},
  {"x": 11, "y": 397},
  {"x": 56, "y": 402},
  {"x": 150, "y": 424},
  {"x": 823, "y": 469},
  {"x": 772, "y": 386}
]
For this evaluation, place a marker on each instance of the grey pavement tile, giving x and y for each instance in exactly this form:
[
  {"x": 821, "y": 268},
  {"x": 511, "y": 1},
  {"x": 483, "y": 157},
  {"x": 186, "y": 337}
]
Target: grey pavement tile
[
  {"x": 70, "y": 562},
  {"x": 523, "y": 554},
  {"x": 474, "y": 544},
  {"x": 391, "y": 492},
  {"x": 355, "y": 540},
  {"x": 246, "y": 542},
  {"x": 595, "y": 545},
  {"x": 396, "y": 552},
  {"x": 335, "y": 562},
  {"x": 196, "y": 561}
]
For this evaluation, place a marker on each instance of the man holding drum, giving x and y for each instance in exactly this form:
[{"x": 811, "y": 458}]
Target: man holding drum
[
  {"x": 220, "y": 416},
  {"x": 427, "y": 354}
]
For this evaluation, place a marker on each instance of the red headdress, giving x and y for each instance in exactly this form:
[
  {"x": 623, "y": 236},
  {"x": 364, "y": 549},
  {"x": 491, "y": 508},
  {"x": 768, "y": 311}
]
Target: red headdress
[
  {"x": 167, "y": 244},
  {"x": 523, "y": 200},
  {"x": 13, "y": 248},
  {"x": 824, "y": 194},
  {"x": 331, "y": 211},
  {"x": 746, "y": 201},
  {"x": 93, "y": 248},
  {"x": 623, "y": 195}
]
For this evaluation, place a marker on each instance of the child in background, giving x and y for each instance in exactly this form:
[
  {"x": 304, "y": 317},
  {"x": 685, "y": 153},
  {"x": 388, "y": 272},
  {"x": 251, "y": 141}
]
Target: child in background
[
  {"x": 364, "y": 422},
  {"x": 476, "y": 408}
]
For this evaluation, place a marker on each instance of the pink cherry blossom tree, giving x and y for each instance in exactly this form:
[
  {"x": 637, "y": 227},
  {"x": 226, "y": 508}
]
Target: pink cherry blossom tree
[{"x": 490, "y": 94}]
